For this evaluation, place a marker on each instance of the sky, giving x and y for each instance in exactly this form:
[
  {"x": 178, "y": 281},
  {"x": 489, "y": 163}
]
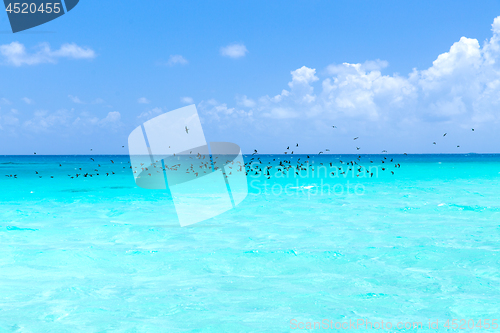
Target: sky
[{"x": 263, "y": 74}]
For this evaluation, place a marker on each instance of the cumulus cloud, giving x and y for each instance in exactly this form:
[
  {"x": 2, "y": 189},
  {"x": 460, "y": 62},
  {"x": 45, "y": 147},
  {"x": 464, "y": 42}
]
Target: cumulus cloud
[
  {"x": 112, "y": 119},
  {"x": 143, "y": 100},
  {"x": 214, "y": 110},
  {"x": 245, "y": 101},
  {"x": 8, "y": 119},
  {"x": 15, "y": 54},
  {"x": 75, "y": 99},
  {"x": 176, "y": 59},
  {"x": 43, "y": 121},
  {"x": 146, "y": 115},
  {"x": 462, "y": 84},
  {"x": 187, "y": 100},
  {"x": 233, "y": 51}
]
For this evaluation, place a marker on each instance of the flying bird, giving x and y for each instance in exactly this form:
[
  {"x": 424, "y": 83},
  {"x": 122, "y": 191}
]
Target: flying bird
[
  {"x": 187, "y": 130},
  {"x": 445, "y": 134},
  {"x": 356, "y": 138}
]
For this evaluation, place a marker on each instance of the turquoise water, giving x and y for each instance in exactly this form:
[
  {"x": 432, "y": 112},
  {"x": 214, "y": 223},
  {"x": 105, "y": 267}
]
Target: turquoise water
[{"x": 94, "y": 254}]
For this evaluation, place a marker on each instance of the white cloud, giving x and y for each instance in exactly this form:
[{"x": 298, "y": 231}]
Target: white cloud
[
  {"x": 234, "y": 50},
  {"x": 75, "y": 99},
  {"x": 43, "y": 120},
  {"x": 150, "y": 114},
  {"x": 214, "y": 110},
  {"x": 143, "y": 100},
  {"x": 27, "y": 100},
  {"x": 187, "y": 100},
  {"x": 8, "y": 119},
  {"x": 177, "y": 59},
  {"x": 245, "y": 101},
  {"x": 15, "y": 53},
  {"x": 461, "y": 85},
  {"x": 112, "y": 119}
]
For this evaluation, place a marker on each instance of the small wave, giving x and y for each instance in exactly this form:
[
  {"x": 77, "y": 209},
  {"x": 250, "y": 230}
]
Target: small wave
[
  {"x": 75, "y": 191},
  {"x": 14, "y": 228}
]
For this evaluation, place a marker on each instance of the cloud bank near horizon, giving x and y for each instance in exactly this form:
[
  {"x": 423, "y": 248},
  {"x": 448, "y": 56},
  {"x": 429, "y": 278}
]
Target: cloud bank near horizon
[{"x": 462, "y": 85}]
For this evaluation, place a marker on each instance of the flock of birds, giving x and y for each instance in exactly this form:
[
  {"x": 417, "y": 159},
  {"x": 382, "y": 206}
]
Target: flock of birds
[{"x": 254, "y": 167}]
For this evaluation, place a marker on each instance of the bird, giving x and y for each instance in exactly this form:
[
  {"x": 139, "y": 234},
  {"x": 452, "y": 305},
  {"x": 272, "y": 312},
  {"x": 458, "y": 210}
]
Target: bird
[
  {"x": 358, "y": 148},
  {"x": 334, "y": 126},
  {"x": 384, "y": 151},
  {"x": 297, "y": 145},
  {"x": 445, "y": 134},
  {"x": 434, "y": 143},
  {"x": 458, "y": 146},
  {"x": 327, "y": 149},
  {"x": 34, "y": 153},
  {"x": 187, "y": 130},
  {"x": 472, "y": 130},
  {"x": 356, "y": 138}
]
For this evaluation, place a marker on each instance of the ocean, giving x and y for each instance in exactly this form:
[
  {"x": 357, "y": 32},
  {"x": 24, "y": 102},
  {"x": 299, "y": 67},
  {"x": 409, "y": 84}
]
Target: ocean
[{"x": 97, "y": 254}]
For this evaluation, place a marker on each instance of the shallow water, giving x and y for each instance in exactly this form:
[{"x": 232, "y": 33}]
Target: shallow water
[{"x": 101, "y": 254}]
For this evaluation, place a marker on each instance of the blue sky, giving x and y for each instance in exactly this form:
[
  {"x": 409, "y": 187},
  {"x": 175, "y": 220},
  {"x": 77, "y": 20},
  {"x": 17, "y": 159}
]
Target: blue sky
[{"x": 265, "y": 75}]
